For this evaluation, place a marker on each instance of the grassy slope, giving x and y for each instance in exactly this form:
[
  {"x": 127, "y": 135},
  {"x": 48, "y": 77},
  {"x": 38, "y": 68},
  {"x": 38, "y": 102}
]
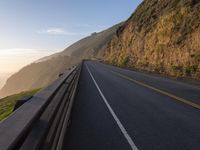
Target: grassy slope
[
  {"x": 7, "y": 104},
  {"x": 161, "y": 36}
]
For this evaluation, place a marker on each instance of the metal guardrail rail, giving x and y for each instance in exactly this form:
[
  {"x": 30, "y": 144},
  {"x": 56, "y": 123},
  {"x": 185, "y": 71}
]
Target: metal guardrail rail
[{"x": 42, "y": 121}]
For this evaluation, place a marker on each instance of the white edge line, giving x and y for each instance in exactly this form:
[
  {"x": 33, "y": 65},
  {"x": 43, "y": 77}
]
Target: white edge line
[{"x": 123, "y": 130}]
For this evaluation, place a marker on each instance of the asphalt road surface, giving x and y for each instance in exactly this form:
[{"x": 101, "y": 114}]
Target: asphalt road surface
[{"x": 119, "y": 109}]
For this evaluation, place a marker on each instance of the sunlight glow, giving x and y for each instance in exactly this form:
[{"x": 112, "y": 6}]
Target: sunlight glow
[{"x": 11, "y": 60}]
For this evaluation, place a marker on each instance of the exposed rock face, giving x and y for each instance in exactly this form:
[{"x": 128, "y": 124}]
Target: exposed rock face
[
  {"x": 46, "y": 70},
  {"x": 162, "y": 36}
]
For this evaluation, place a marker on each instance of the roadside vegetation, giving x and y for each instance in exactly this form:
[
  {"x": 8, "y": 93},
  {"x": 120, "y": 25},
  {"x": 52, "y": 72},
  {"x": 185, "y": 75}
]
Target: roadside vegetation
[
  {"x": 160, "y": 36},
  {"x": 7, "y": 104}
]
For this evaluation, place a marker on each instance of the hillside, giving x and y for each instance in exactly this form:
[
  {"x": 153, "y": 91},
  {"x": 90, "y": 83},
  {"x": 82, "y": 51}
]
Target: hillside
[
  {"x": 161, "y": 36},
  {"x": 44, "y": 71},
  {"x": 37, "y": 75},
  {"x": 93, "y": 45}
]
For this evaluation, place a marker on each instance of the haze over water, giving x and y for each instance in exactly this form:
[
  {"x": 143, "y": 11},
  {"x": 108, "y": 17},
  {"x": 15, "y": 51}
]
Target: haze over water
[
  {"x": 3, "y": 78},
  {"x": 12, "y": 60}
]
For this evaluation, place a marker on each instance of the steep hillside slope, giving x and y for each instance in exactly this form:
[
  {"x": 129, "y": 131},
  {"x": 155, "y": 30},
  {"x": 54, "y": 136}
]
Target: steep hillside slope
[
  {"x": 92, "y": 45},
  {"x": 47, "y": 69},
  {"x": 37, "y": 75},
  {"x": 161, "y": 36}
]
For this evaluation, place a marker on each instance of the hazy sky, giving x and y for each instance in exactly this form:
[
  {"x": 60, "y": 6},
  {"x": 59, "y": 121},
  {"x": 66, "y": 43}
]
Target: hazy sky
[{"x": 30, "y": 29}]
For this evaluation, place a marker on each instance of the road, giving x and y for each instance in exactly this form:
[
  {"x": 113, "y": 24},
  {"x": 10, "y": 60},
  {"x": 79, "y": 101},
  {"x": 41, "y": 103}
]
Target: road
[{"x": 119, "y": 109}]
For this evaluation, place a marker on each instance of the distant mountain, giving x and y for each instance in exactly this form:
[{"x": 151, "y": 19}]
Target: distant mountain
[
  {"x": 3, "y": 77},
  {"x": 91, "y": 46},
  {"x": 161, "y": 36},
  {"x": 45, "y": 70}
]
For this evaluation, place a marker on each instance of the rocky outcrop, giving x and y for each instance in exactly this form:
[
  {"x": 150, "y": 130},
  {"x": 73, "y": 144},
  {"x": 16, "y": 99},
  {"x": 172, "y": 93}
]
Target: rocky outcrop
[{"x": 161, "y": 36}]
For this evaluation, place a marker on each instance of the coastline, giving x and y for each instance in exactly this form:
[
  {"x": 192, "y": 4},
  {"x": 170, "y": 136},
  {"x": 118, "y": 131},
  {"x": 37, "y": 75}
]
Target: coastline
[{"x": 3, "y": 78}]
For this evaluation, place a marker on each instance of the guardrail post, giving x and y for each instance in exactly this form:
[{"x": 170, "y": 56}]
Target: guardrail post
[{"x": 21, "y": 101}]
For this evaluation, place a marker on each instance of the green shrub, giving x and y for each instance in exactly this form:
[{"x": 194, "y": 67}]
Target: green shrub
[
  {"x": 7, "y": 104},
  {"x": 160, "y": 48},
  {"x": 123, "y": 61},
  {"x": 190, "y": 70},
  {"x": 177, "y": 70},
  {"x": 197, "y": 57},
  {"x": 175, "y": 2}
]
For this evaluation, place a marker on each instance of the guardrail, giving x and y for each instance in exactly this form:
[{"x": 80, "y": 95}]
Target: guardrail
[{"x": 41, "y": 122}]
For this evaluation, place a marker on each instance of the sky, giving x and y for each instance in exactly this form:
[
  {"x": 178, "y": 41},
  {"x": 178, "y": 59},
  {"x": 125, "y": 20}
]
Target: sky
[{"x": 31, "y": 29}]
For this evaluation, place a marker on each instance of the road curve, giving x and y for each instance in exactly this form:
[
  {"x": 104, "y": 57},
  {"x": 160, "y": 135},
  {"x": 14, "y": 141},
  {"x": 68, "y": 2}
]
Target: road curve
[{"x": 119, "y": 109}]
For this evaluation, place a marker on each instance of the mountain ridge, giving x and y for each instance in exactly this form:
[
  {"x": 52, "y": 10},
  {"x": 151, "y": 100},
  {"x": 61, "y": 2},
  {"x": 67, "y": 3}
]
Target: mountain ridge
[{"x": 44, "y": 71}]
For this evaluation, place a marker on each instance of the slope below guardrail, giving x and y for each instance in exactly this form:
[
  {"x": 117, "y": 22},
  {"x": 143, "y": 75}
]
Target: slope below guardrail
[{"x": 41, "y": 122}]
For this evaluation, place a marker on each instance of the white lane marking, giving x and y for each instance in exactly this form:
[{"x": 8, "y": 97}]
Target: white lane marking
[{"x": 123, "y": 130}]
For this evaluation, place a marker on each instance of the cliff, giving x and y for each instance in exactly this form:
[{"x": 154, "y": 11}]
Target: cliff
[{"x": 161, "y": 36}]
